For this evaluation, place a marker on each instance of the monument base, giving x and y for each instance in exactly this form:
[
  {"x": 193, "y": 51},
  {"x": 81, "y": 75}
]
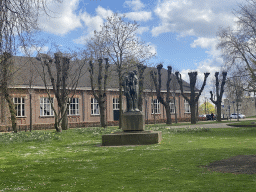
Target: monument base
[
  {"x": 133, "y": 121},
  {"x": 132, "y": 138}
]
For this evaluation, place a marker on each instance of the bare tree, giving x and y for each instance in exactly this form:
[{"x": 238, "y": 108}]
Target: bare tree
[
  {"x": 238, "y": 44},
  {"x": 193, "y": 98},
  {"x": 122, "y": 45},
  {"x": 6, "y": 65},
  {"x": 64, "y": 78},
  {"x": 219, "y": 93},
  {"x": 18, "y": 19},
  {"x": 158, "y": 85},
  {"x": 236, "y": 92},
  {"x": 141, "y": 69},
  {"x": 100, "y": 94}
]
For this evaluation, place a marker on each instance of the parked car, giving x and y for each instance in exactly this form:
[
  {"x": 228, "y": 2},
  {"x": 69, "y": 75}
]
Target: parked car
[
  {"x": 209, "y": 117},
  {"x": 234, "y": 116}
]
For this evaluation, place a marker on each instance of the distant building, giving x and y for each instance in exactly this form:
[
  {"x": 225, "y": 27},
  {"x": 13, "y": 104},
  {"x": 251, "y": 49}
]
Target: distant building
[{"x": 246, "y": 106}]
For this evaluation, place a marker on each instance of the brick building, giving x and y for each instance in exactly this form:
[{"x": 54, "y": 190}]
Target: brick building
[{"x": 27, "y": 87}]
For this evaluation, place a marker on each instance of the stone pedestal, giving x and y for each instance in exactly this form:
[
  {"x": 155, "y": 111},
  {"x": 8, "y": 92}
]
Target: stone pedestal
[
  {"x": 133, "y": 132},
  {"x": 132, "y": 138},
  {"x": 133, "y": 121}
]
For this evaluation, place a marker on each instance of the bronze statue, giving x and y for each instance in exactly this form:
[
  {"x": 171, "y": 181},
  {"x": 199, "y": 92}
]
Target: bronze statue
[{"x": 131, "y": 90}]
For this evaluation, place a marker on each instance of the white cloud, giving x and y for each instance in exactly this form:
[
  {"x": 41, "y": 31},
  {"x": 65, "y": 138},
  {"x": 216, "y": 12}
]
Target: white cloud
[
  {"x": 33, "y": 50},
  {"x": 139, "y": 16},
  {"x": 103, "y": 12},
  {"x": 193, "y": 17},
  {"x": 62, "y": 17},
  {"x": 152, "y": 48},
  {"x": 92, "y": 23},
  {"x": 134, "y": 4},
  {"x": 142, "y": 30}
]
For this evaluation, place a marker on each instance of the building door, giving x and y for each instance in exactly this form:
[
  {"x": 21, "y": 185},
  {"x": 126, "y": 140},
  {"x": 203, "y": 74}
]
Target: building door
[
  {"x": 116, "y": 115},
  {"x": 116, "y": 108}
]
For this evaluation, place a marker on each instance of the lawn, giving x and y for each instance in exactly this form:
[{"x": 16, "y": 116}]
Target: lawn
[{"x": 74, "y": 161}]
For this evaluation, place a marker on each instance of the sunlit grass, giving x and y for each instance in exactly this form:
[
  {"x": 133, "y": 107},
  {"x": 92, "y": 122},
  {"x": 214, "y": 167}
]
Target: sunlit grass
[{"x": 74, "y": 161}]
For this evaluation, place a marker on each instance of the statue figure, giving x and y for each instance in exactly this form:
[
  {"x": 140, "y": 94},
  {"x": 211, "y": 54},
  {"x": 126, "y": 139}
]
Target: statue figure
[{"x": 131, "y": 90}]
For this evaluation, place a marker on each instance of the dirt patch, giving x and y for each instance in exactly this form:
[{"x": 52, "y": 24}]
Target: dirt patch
[{"x": 241, "y": 164}]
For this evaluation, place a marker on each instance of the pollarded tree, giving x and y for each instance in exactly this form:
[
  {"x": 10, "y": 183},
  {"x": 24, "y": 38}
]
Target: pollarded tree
[
  {"x": 100, "y": 93},
  {"x": 219, "y": 93},
  {"x": 193, "y": 97},
  {"x": 64, "y": 74},
  {"x": 121, "y": 45},
  {"x": 141, "y": 68},
  {"x": 158, "y": 85}
]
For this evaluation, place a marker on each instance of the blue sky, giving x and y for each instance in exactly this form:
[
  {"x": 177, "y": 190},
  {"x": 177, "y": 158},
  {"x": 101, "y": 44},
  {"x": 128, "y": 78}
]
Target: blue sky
[{"x": 182, "y": 33}]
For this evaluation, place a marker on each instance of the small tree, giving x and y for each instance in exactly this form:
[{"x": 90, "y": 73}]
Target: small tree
[
  {"x": 100, "y": 94},
  {"x": 158, "y": 85},
  {"x": 219, "y": 93},
  {"x": 193, "y": 99}
]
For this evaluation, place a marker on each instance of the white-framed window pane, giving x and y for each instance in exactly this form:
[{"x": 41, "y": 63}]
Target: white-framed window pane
[
  {"x": 94, "y": 107},
  {"x": 116, "y": 105},
  {"x": 19, "y": 103},
  {"x": 172, "y": 106},
  {"x": 187, "y": 106},
  {"x": 155, "y": 106},
  {"x": 73, "y": 108},
  {"x": 45, "y": 106}
]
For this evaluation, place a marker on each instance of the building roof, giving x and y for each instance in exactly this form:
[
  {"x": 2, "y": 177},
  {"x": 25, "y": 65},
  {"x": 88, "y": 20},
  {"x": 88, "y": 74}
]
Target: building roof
[{"x": 29, "y": 70}]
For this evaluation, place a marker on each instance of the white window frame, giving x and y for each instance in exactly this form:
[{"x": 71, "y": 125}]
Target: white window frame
[
  {"x": 46, "y": 107},
  {"x": 116, "y": 104},
  {"x": 95, "y": 108},
  {"x": 73, "y": 107},
  {"x": 155, "y": 106},
  {"x": 187, "y": 106},
  {"x": 172, "y": 106},
  {"x": 19, "y": 103}
]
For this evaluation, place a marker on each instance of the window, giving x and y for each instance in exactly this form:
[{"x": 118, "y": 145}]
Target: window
[
  {"x": 45, "y": 106},
  {"x": 73, "y": 108},
  {"x": 187, "y": 106},
  {"x": 19, "y": 103},
  {"x": 116, "y": 105},
  {"x": 172, "y": 106},
  {"x": 155, "y": 106},
  {"x": 95, "y": 110}
]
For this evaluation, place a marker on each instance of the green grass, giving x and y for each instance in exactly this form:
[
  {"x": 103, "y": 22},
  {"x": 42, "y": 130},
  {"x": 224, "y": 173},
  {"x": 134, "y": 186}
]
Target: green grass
[
  {"x": 244, "y": 123},
  {"x": 74, "y": 161}
]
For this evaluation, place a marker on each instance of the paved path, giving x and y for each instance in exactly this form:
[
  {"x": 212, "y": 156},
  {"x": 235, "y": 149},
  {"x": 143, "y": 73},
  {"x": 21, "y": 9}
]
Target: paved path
[{"x": 212, "y": 125}]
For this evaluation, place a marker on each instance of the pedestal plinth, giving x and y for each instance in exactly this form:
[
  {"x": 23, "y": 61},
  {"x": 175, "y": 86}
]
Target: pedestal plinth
[
  {"x": 133, "y": 121},
  {"x": 133, "y": 132},
  {"x": 132, "y": 138}
]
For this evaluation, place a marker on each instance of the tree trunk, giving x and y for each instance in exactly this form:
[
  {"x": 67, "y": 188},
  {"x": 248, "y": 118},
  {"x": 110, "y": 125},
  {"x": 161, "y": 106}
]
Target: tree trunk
[
  {"x": 120, "y": 101},
  {"x": 64, "y": 121},
  {"x": 193, "y": 113},
  {"x": 12, "y": 111},
  {"x": 219, "y": 112},
  {"x": 102, "y": 115},
  {"x": 168, "y": 115}
]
